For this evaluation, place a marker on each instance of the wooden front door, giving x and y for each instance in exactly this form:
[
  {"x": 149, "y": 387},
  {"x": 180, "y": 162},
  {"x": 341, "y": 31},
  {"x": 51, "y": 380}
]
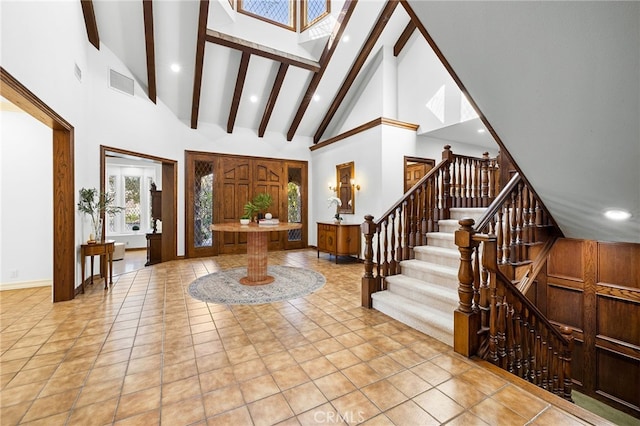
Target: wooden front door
[{"x": 233, "y": 181}]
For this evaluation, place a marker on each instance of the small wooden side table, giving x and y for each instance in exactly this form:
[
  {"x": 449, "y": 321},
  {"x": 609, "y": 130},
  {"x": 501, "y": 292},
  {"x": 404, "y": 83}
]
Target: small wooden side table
[{"x": 104, "y": 249}]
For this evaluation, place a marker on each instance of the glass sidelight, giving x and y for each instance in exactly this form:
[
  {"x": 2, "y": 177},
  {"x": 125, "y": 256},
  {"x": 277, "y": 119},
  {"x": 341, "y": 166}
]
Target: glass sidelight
[{"x": 203, "y": 204}]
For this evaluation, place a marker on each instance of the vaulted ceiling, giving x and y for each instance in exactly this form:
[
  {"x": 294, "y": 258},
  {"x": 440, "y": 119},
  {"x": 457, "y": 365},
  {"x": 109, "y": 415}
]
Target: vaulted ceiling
[
  {"x": 557, "y": 83},
  {"x": 236, "y": 70}
]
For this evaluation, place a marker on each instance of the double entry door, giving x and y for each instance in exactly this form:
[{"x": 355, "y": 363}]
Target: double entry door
[{"x": 218, "y": 187}]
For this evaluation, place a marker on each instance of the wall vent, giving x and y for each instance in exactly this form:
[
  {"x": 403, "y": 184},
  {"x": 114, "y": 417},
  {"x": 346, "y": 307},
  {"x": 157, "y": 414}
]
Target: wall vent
[
  {"x": 77, "y": 71},
  {"x": 120, "y": 82}
]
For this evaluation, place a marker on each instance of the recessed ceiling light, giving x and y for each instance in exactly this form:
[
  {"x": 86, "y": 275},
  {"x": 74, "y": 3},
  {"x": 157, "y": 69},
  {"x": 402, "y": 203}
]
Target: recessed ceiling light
[
  {"x": 253, "y": 98},
  {"x": 617, "y": 214},
  {"x": 481, "y": 130},
  {"x": 175, "y": 67},
  {"x": 316, "y": 98},
  {"x": 345, "y": 38}
]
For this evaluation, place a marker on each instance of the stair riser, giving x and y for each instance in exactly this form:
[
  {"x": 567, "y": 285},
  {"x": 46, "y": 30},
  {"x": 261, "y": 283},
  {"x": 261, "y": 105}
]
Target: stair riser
[
  {"x": 451, "y": 261},
  {"x": 445, "y": 336},
  {"x": 439, "y": 242},
  {"x": 460, "y": 213},
  {"x": 448, "y": 281},
  {"x": 446, "y": 306},
  {"x": 448, "y": 227}
]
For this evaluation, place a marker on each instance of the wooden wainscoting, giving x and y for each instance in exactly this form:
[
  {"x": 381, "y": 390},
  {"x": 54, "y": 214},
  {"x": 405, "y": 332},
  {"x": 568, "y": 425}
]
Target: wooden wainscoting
[{"x": 594, "y": 287}]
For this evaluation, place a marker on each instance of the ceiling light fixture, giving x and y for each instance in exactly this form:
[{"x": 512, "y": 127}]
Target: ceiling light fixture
[
  {"x": 253, "y": 98},
  {"x": 175, "y": 67},
  {"x": 481, "y": 130},
  {"x": 617, "y": 214},
  {"x": 345, "y": 38},
  {"x": 316, "y": 98}
]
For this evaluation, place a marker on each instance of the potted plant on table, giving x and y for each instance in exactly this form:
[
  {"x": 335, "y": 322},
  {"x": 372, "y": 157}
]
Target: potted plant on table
[
  {"x": 260, "y": 203},
  {"x": 335, "y": 200},
  {"x": 96, "y": 204}
]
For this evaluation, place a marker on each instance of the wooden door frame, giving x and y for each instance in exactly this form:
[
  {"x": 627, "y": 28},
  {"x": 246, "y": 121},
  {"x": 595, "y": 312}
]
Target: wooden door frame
[
  {"x": 169, "y": 199},
  {"x": 304, "y": 188},
  {"x": 64, "y": 246}
]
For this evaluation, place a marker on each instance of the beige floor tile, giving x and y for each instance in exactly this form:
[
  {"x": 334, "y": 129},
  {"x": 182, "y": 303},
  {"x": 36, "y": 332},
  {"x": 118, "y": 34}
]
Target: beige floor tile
[
  {"x": 139, "y": 402},
  {"x": 270, "y": 410},
  {"x": 493, "y": 413},
  {"x": 438, "y": 405},
  {"x": 258, "y": 388},
  {"x": 223, "y": 399},
  {"x": 409, "y": 413},
  {"x": 384, "y": 395},
  {"x": 304, "y": 397},
  {"x": 149, "y": 353}
]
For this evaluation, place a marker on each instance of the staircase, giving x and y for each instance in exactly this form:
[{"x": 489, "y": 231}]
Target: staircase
[{"x": 425, "y": 293}]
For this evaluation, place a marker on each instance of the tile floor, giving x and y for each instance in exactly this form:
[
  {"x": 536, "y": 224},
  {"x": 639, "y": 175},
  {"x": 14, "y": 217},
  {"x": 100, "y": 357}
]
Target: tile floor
[{"x": 146, "y": 353}]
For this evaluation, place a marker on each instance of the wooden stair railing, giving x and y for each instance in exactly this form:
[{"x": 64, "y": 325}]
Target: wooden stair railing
[
  {"x": 494, "y": 319},
  {"x": 457, "y": 181}
]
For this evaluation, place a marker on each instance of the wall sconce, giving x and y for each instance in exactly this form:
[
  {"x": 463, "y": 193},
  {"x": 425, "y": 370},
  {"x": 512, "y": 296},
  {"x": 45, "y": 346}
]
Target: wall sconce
[
  {"x": 332, "y": 187},
  {"x": 355, "y": 185}
]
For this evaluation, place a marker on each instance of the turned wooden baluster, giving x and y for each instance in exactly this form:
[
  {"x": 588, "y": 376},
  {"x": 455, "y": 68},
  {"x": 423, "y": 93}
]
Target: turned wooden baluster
[
  {"x": 502, "y": 322},
  {"x": 510, "y": 342},
  {"x": 456, "y": 182},
  {"x": 532, "y": 218},
  {"x": 493, "y": 325},
  {"x": 526, "y": 229},
  {"x": 384, "y": 264},
  {"x": 518, "y": 339},
  {"x": 424, "y": 227},
  {"x": 485, "y": 179},
  {"x": 520, "y": 224},
  {"x": 506, "y": 240},
  {"x": 500, "y": 236},
  {"x": 464, "y": 182},
  {"x": 392, "y": 243},
  {"x": 476, "y": 278},
  {"x": 408, "y": 230},
  {"x": 446, "y": 184},
  {"x": 512, "y": 230}
]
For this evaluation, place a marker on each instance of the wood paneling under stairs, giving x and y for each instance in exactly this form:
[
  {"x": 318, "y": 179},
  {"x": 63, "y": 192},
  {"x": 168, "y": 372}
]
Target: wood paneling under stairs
[{"x": 594, "y": 287}]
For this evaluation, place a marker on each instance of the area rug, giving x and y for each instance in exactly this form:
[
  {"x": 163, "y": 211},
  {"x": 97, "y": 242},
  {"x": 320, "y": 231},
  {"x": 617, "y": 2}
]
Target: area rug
[{"x": 224, "y": 286}]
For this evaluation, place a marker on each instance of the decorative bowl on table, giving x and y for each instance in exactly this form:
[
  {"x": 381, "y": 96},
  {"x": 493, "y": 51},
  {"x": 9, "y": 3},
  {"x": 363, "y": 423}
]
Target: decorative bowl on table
[{"x": 244, "y": 221}]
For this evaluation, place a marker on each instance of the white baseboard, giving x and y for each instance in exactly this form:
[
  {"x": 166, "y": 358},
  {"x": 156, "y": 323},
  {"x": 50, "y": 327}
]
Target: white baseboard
[{"x": 25, "y": 284}]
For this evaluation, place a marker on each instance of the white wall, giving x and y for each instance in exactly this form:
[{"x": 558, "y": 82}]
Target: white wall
[
  {"x": 422, "y": 77},
  {"x": 26, "y": 202}
]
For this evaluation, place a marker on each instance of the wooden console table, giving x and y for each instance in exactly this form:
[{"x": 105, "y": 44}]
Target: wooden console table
[
  {"x": 257, "y": 247},
  {"x": 339, "y": 239},
  {"x": 104, "y": 249}
]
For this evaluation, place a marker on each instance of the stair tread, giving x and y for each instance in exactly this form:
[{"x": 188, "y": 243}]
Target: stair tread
[
  {"x": 423, "y": 286},
  {"x": 441, "y": 235},
  {"x": 424, "y": 312}
]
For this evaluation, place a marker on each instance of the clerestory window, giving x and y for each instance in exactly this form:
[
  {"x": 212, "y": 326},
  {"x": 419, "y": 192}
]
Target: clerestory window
[{"x": 283, "y": 12}]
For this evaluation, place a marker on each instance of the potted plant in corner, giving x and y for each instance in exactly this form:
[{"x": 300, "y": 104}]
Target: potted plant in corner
[{"x": 95, "y": 204}]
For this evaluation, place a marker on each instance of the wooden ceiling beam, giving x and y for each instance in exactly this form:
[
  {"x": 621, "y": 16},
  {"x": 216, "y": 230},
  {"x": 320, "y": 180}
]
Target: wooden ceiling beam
[
  {"x": 90, "y": 22},
  {"x": 275, "y": 91},
  {"x": 373, "y": 37},
  {"x": 329, "y": 49},
  {"x": 237, "y": 93},
  {"x": 197, "y": 73},
  {"x": 147, "y": 10},
  {"x": 404, "y": 38},
  {"x": 260, "y": 50}
]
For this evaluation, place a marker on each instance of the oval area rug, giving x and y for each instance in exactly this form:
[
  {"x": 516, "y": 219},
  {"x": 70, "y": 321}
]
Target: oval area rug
[{"x": 224, "y": 286}]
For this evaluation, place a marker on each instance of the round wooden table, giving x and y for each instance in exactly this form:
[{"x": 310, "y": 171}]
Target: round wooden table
[{"x": 257, "y": 247}]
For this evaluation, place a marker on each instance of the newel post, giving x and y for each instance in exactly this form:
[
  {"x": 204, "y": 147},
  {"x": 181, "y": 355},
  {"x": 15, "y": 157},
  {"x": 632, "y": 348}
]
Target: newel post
[
  {"x": 368, "y": 280},
  {"x": 466, "y": 320},
  {"x": 567, "y": 384}
]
